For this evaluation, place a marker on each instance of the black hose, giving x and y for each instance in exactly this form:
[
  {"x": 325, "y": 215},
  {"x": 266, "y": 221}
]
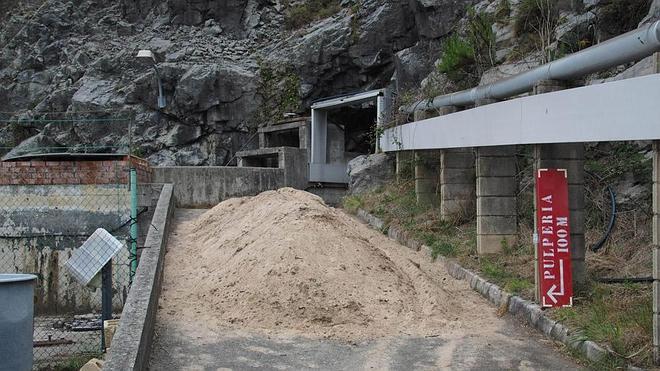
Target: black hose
[
  {"x": 610, "y": 226},
  {"x": 598, "y": 245}
]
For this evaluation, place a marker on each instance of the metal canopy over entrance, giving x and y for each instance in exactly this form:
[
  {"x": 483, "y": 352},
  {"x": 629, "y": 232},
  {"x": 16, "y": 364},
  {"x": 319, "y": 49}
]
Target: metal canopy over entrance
[{"x": 328, "y": 164}]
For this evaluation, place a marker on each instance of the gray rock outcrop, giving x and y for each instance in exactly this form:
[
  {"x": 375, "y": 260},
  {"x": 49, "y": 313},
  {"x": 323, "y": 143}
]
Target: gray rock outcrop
[
  {"x": 226, "y": 66},
  {"x": 369, "y": 172}
]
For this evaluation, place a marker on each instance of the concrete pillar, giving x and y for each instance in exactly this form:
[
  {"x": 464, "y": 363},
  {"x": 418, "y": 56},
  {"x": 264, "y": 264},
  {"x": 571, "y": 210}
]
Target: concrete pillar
[
  {"x": 405, "y": 167},
  {"x": 497, "y": 188},
  {"x": 457, "y": 184},
  {"x": 568, "y": 156},
  {"x": 457, "y": 187},
  {"x": 656, "y": 252},
  {"x": 427, "y": 166}
]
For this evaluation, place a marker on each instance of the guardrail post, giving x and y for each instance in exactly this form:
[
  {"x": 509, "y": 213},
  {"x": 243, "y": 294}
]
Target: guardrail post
[
  {"x": 568, "y": 156},
  {"x": 656, "y": 252},
  {"x": 497, "y": 188}
]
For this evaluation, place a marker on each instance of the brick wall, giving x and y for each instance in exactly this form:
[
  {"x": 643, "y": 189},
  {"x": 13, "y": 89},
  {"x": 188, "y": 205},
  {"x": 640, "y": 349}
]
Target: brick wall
[{"x": 73, "y": 172}]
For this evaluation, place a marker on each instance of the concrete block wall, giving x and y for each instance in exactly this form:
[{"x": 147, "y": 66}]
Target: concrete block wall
[
  {"x": 427, "y": 182},
  {"x": 497, "y": 189},
  {"x": 427, "y": 170},
  {"x": 405, "y": 165},
  {"x": 443, "y": 178},
  {"x": 206, "y": 186},
  {"x": 457, "y": 184}
]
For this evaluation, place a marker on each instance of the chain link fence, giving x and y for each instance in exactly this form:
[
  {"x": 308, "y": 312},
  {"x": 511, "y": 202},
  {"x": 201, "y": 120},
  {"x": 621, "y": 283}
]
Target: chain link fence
[
  {"x": 54, "y": 193},
  {"x": 39, "y": 230}
]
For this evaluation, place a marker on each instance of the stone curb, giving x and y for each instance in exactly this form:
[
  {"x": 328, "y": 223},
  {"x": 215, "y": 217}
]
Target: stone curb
[{"x": 520, "y": 308}]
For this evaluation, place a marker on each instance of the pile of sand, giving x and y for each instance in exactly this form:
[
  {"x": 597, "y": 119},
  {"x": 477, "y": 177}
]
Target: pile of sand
[{"x": 285, "y": 260}]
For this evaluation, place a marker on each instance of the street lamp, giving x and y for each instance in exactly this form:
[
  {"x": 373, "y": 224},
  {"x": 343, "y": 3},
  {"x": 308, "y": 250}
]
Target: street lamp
[{"x": 148, "y": 55}]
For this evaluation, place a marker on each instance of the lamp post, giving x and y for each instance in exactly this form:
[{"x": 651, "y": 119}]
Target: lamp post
[{"x": 149, "y": 56}]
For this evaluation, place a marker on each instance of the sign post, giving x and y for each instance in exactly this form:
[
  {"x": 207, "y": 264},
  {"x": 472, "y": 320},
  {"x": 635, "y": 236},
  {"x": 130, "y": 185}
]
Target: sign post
[{"x": 553, "y": 238}]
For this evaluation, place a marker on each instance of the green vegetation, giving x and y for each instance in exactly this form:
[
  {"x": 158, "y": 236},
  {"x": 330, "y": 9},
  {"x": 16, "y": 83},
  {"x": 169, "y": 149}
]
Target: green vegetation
[
  {"x": 535, "y": 25},
  {"x": 482, "y": 38},
  {"x": 618, "y": 16},
  {"x": 616, "y": 316},
  {"x": 396, "y": 205},
  {"x": 309, "y": 11},
  {"x": 279, "y": 88},
  {"x": 351, "y": 204},
  {"x": 355, "y": 21},
  {"x": 73, "y": 363},
  {"x": 581, "y": 38},
  {"x": 619, "y": 316},
  {"x": 503, "y": 11},
  {"x": 465, "y": 59},
  {"x": 619, "y": 159},
  {"x": 534, "y": 15},
  {"x": 457, "y": 58}
]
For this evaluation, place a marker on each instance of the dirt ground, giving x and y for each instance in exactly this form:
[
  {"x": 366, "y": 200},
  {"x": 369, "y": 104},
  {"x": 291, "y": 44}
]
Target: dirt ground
[
  {"x": 282, "y": 281},
  {"x": 285, "y": 260}
]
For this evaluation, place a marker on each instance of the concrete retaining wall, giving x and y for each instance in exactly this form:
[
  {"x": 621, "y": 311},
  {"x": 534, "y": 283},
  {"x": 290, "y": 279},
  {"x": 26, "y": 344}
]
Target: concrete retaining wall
[
  {"x": 131, "y": 345},
  {"x": 205, "y": 186}
]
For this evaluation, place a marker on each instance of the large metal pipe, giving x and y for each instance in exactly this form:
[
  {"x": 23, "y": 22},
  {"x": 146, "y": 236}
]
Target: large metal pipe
[{"x": 629, "y": 47}]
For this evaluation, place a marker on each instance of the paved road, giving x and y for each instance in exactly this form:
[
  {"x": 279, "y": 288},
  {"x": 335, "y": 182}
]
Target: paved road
[
  {"x": 515, "y": 348},
  {"x": 510, "y": 347}
]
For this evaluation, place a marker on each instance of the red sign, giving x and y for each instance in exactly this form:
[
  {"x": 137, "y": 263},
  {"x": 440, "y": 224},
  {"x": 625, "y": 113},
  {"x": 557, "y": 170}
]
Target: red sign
[{"x": 553, "y": 236}]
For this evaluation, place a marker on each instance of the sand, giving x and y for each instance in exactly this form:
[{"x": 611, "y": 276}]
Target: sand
[{"x": 285, "y": 261}]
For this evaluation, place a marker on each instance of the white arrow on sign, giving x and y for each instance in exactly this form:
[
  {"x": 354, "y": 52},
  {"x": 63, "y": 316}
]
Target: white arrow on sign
[{"x": 551, "y": 292}]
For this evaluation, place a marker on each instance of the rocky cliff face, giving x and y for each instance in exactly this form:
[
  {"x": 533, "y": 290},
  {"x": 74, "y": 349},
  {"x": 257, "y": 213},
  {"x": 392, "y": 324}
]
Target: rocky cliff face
[{"x": 227, "y": 66}]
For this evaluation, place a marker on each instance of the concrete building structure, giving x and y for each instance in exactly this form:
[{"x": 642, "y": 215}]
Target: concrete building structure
[{"x": 328, "y": 160}]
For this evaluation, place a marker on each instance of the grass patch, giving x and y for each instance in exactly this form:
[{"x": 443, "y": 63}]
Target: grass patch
[
  {"x": 352, "y": 203},
  {"x": 619, "y": 16},
  {"x": 534, "y": 15},
  {"x": 465, "y": 59},
  {"x": 279, "y": 87},
  {"x": 498, "y": 269},
  {"x": 618, "y": 316},
  {"x": 458, "y": 56},
  {"x": 307, "y": 12},
  {"x": 73, "y": 363}
]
